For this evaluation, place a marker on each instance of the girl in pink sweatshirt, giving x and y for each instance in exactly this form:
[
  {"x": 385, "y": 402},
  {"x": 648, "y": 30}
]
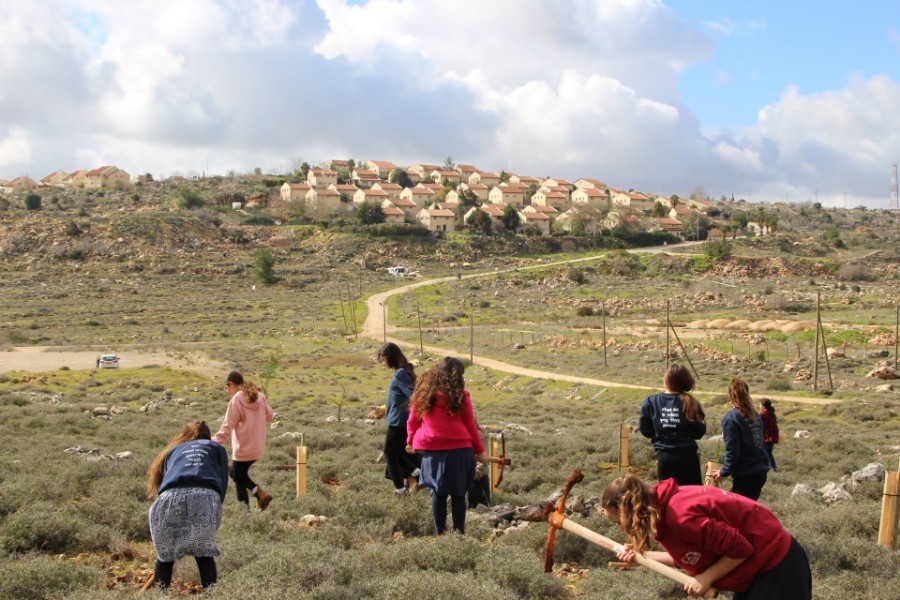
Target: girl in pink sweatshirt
[
  {"x": 442, "y": 425},
  {"x": 245, "y": 422}
]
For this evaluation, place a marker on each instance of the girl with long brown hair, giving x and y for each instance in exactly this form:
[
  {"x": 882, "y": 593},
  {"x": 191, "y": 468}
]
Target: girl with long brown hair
[
  {"x": 442, "y": 425},
  {"x": 674, "y": 421},
  {"x": 401, "y": 466},
  {"x": 722, "y": 540},
  {"x": 189, "y": 478},
  {"x": 746, "y": 460}
]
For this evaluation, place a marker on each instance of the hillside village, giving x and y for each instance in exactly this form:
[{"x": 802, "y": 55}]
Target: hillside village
[{"x": 444, "y": 198}]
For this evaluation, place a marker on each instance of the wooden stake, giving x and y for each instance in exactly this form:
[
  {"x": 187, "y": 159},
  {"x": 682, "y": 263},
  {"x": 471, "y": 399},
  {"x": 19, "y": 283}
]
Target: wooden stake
[
  {"x": 624, "y": 431},
  {"x": 603, "y": 311},
  {"x": 827, "y": 361},
  {"x": 816, "y": 364},
  {"x": 887, "y": 529},
  {"x": 495, "y": 469},
  {"x": 301, "y": 470},
  {"x": 667, "y": 335},
  {"x": 896, "y": 335},
  {"x": 419, "y": 317}
]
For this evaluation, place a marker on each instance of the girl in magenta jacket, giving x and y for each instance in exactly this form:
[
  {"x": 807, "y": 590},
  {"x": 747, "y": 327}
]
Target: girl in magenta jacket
[
  {"x": 245, "y": 423},
  {"x": 442, "y": 425},
  {"x": 721, "y": 539}
]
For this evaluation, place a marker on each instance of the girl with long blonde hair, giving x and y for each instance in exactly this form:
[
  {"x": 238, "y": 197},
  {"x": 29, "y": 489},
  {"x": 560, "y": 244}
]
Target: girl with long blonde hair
[{"x": 245, "y": 422}]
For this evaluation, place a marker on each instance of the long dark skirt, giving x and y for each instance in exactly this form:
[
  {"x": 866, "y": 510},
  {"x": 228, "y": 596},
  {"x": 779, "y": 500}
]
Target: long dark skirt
[
  {"x": 791, "y": 579},
  {"x": 400, "y": 463},
  {"x": 448, "y": 472},
  {"x": 682, "y": 465}
]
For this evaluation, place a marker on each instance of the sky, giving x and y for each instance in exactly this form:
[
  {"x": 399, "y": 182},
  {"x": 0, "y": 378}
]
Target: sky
[{"x": 766, "y": 101}]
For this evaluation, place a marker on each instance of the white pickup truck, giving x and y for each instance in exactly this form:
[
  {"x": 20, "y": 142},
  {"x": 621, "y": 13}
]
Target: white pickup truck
[{"x": 401, "y": 272}]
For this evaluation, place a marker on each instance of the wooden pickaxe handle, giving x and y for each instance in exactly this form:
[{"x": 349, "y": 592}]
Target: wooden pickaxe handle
[
  {"x": 500, "y": 460},
  {"x": 559, "y": 521}
]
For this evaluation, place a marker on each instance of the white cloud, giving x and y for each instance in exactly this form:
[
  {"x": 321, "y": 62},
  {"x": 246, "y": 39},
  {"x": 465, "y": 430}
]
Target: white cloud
[{"x": 579, "y": 89}]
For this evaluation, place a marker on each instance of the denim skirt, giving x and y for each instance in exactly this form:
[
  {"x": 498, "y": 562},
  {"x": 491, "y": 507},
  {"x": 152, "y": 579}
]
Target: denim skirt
[{"x": 448, "y": 472}]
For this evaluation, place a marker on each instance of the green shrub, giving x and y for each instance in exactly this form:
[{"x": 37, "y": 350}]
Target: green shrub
[
  {"x": 40, "y": 577},
  {"x": 32, "y": 202},
  {"x": 515, "y": 569},
  {"x": 779, "y": 384}
]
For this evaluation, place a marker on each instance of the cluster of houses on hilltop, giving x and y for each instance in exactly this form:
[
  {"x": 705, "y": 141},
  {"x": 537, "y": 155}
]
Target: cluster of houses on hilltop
[
  {"x": 107, "y": 177},
  {"x": 435, "y": 196}
]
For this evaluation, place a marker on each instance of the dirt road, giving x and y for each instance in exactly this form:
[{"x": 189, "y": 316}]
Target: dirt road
[
  {"x": 47, "y": 358},
  {"x": 376, "y": 326}
]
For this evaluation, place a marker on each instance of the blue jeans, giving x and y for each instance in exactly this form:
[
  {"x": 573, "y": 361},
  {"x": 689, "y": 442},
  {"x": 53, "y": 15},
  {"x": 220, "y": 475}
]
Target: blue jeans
[{"x": 769, "y": 447}]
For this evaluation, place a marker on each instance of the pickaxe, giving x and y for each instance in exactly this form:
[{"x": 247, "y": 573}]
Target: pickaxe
[{"x": 558, "y": 520}]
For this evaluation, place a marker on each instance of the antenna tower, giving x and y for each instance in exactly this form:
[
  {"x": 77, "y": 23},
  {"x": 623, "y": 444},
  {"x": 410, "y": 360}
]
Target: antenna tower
[{"x": 894, "y": 202}]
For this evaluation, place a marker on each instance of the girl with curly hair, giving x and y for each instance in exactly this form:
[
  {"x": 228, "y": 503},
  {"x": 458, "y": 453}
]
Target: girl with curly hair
[
  {"x": 720, "y": 539},
  {"x": 442, "y": 425}
]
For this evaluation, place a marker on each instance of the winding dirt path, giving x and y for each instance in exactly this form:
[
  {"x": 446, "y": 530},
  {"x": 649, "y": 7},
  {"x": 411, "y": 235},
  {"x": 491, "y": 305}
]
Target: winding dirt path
[{"x": 376, "y": 326}]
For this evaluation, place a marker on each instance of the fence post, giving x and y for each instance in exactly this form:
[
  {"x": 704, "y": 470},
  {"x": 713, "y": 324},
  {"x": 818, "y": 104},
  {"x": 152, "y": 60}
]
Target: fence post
[
  {"x": 887, "y": 529},
  {"x": 301, "y": 470},
  {"x": 624, "y": 431}
]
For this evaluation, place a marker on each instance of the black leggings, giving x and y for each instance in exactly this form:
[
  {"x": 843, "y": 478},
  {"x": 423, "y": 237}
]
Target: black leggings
[
  {"x": 681, "y": 464},
  {"x": 400, "y": 463},
  {"x": 240, "y": 473},
  {"x": 439, "y": 512},
  {"x": 162, "y": 575}
]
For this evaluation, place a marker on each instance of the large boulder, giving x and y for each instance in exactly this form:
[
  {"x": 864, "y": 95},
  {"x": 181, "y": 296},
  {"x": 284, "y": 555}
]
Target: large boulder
[{"x": 883, "y": 373}]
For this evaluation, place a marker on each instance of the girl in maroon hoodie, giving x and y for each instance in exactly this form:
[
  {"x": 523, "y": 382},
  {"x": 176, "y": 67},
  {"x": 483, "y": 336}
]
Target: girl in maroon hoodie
[
  {"x": 442, "y": 424},
  {"x": 721, "y": 539}
]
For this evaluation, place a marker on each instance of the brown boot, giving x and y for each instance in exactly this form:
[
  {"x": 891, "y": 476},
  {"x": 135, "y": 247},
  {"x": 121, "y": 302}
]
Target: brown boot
[{"x": 262, "y": 498}]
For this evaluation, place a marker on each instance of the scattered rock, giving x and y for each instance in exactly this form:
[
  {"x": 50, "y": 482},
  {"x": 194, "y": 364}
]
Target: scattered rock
[
  {"x": 883, "y": 373},
  {"x": 801, "y": 434},
  {"x": 887, "y": 387},
  {"x": 100, "y": 411},
  {"x": 871, "y": 472},
  {"x": 803, "y": 491},
  {"x": 834, "y": 492}
]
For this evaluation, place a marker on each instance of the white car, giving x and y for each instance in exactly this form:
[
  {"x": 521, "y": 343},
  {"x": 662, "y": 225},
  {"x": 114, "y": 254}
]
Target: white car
[{"x": 108, "y": 361}]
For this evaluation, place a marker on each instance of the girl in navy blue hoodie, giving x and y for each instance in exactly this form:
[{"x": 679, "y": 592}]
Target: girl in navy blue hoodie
[
  {"x": 746, "y": 460},
  {"x": 674, "y": 421},
  {"x": 401, "y": 466},
  {"x": 189, "y": 478}
]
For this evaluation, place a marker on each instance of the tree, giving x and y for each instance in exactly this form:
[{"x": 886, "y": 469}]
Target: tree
[
  {"x": 401, "y": 178},
  {"x": 304, "y": 169},
  {"x": 659, "y": 210},
  {"x": 531, "y": 191},
  {"x": 480, "y": 222},
  {"x": 265, "y": 266},
  {"x": 510, "y": 218},
  {"x": 32, "y": 202},
  {"x": 448, "y": 163},
  {"x": 188, "y": 198},
  {"x": 369, "y": 213},
  {"x": 504, "y": 176}
]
